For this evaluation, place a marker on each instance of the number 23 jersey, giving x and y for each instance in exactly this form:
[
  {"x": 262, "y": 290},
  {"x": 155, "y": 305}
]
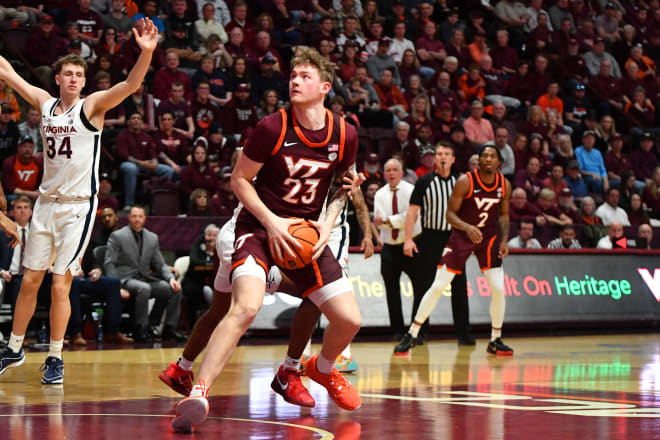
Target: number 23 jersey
[
  {"x": 299, "y": 163},
  {"x": 71, "y": 149}
]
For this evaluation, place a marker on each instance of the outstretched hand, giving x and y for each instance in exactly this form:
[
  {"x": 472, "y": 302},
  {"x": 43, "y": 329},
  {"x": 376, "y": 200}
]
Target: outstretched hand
[{"x": 147, "y": 36}]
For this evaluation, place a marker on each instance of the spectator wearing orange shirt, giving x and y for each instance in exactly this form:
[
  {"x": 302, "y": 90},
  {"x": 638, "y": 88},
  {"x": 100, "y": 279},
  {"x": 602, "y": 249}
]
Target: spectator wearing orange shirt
[
  {"x": 390, "y": 96},
  {"x": 22, "y": 172},
  {"x": 472, "y": 84},
  {"x": 551, "y": 100}
]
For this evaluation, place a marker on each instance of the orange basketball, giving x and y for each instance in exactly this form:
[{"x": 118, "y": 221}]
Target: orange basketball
[{"x": 307, "y": 235}]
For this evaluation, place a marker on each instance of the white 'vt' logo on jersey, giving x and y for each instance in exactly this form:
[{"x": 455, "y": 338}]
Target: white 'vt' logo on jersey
[
  {"x": 485, "y": 203},
  {"x": 24, "y": 175},
  {"x": 313, "y": 165}
]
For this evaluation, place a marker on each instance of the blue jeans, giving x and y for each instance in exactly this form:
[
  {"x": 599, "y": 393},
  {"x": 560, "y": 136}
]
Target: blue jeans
[
  {"x": 131, "y": 172},
  {"x": 594, "y": 185}
]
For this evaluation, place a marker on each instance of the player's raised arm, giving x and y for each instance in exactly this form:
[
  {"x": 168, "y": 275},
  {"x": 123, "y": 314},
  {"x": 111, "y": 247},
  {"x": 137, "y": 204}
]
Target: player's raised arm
[
  {"x": 461, "y": 189},
  {"x": 33, "y": 95},
  {"x": 98, "y": 103}
]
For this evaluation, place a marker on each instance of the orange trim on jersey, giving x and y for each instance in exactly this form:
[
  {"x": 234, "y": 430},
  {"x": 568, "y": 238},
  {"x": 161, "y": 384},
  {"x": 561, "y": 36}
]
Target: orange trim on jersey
[
  {"x": 484, "y": 187},
  {"x": 278, "y": 145},
  {"x": 241, "y": 262},
  {"x": 342, "y": 137},
  {"x": 469, "y": 194},
  {"x": 503, "y": 185},
  {"x": 319, "y": 279},
  {"x": 488, "y": 250},
  {"x": 457, "y": 272},
  {"x": 302, "y": 137}
]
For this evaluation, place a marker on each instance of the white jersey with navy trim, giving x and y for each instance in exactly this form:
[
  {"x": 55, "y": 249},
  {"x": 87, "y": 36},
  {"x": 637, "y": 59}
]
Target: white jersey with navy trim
[{"x": 71, "y": 149}]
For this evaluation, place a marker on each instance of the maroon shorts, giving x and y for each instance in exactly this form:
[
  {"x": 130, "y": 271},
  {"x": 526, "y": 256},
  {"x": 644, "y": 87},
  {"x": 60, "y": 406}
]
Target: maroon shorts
[
  {"x": 252, "y": 240},
  {"x": 459, "y": 248}
]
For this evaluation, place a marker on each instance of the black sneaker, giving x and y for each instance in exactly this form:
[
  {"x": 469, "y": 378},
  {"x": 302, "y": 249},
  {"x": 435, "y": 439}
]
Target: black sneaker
[
  {"x": 9, "y": 359},
  {"x": 403, "y": 347},
  {"x": 53, "y": 370},
  {"x": 499, "y": 348},
  {"x": 466, "y": 340}
]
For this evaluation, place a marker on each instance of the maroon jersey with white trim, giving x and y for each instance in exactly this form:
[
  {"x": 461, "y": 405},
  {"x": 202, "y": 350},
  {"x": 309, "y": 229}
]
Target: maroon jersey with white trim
[
  {"x": 298, "y": 163},
  {"x": 481, "y": 205}
]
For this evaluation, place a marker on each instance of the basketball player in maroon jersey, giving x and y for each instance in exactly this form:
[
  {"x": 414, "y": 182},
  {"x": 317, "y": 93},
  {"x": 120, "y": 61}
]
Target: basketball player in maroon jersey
[
  {"x": 478, "y": 211},
  {"x": 294, "y": 156}
]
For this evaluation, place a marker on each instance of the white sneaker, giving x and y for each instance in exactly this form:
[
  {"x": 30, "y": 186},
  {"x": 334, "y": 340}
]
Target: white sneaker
[{"x": 192, "y": 410}]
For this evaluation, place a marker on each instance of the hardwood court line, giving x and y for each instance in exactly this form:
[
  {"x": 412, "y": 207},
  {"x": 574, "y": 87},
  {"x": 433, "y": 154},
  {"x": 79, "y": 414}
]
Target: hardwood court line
[
  {"x": 595, "y": 399},
  {"x": 325, "y": 435}
]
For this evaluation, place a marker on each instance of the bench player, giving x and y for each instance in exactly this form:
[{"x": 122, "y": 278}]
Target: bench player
[
  {"x": 64, "y": 213},
  {"x": 478, "y": 211}
]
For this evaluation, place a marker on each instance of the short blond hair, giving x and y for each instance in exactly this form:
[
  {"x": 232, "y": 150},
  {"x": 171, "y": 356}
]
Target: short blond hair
[
  {"x": 74, "y": 59},
  {"x": 312, "y": 57}
]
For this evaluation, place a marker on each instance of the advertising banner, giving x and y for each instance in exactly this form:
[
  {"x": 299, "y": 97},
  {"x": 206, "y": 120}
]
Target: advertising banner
[{"x": 540, "y": 288}]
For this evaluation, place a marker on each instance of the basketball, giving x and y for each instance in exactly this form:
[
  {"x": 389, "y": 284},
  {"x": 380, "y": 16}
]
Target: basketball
[{"x": 307, "y": 235}]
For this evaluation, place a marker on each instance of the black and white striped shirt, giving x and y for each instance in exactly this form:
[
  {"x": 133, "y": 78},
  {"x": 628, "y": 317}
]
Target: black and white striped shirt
[{"x": 432, "y": 193}]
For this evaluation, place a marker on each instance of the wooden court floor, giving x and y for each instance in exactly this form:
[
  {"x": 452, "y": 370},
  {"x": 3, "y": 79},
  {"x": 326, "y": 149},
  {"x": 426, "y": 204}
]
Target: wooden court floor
[{"x": 580, "y": 387}]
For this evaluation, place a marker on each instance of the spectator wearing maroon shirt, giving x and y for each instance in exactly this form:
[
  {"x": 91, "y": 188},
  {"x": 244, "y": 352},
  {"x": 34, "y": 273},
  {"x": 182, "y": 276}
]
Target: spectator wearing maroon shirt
[
  {"x": 89, "y": 22},
  {"x": 555, "y": 181},
  {"x": 176, "y": 105},
  {"x": 631, "y": 81},
  {"x": 443, "y": 93},
  {"x": 172, "y": 147},
  {"x": 240, "y": 20},
  {"x": 179, "y": 20},
  {"x": 645, "y": 159},
  {"x": 199, "y": 174},
  {"x": 430, "y": 49},
  {"x": 566, "y": 205},
  {"x": 652, "y": 194},
  {"x": 457, "y": 48},
  {"x": 640, "y": 112},
  {"x": 224, "y": 201},
  {"x": 499, "y": 120},
  {"x": 261, "y": 49},
  {"x": 179, "y": 43},
  {"x": 463, "y": 148},
  {"x": 204, "y": 112},
  {"x": 104, "y": 196},
  {"x": 545, "y": 202},
  {"x": 540, "y": 78},
  {"x": 402, "y": 145},
  {"x": 572, "y": 65},
  {"x": 520, "y": 84},
  {"x": 443, "y": 121},
  {"x": 46, "y": 46},
  {"x": 539, "y": 40},
  {"x": 326, "y": 32},
  {"x": 129, "y": 51},
  {"x": 534, "y": 123},
  {"x": 496, "y": 83},
  {"x": 239, "y": 113},
  {"x": 169, "y": 74},
  {"x": 563, "y": 34},
  {"x": 220, "y": 148},
  {"x": 521, "y": 209},
  {"x": 505, "y": 58},
  {"x": 564, "y": 153},
  {"x": 137, "y": 152},
  {"x": 529, "y": 178},
  {"x": 235, "y": 47},
  {"x": 616, "y": 162}
]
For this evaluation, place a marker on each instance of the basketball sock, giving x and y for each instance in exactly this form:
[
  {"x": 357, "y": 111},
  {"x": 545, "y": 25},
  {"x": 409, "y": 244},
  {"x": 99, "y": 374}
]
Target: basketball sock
[
  {"x": 442, "y": 278},
  {"x": 291, "y": 363},
  {"x": 495, "y": 333},
  {"x": 307, "y": 352},
  {"x": 323, "y": 365},
  {"x": 55, "y": 348},
  {"x": 347, "y": 351},
  {"x": 185, "y": 364},
  {"x": 414, "y": 329},
  {"x": 495, "y": 278},
  {"x": 15, "y": 342}
]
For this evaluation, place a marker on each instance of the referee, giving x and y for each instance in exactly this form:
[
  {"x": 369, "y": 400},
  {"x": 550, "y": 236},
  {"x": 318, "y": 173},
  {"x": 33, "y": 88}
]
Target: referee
[{"x": 431, "y": 195}]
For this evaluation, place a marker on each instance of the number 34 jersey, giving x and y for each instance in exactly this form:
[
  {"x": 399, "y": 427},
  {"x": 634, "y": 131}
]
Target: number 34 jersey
[
  {"x": 298, "y": 163},
  {"x": 71, "y": 150}
]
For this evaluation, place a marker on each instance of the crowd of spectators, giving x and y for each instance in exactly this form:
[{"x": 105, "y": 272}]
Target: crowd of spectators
[{"x": 567, "y": 90}]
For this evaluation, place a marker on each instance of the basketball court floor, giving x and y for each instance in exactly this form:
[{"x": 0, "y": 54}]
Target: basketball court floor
[{"x": 579, "y": 387}]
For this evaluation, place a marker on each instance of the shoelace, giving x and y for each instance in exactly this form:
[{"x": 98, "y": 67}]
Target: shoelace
[
  {"x": 336, "y": 378},
  {"x": 294, "y": 381}
]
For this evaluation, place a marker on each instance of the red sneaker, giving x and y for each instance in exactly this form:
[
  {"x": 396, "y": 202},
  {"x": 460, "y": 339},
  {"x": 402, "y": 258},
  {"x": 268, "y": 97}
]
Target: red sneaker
[
  {"x": 339, "y": 388},
  {"x": 177, "y": 378},
  {"x": 287, "y": 384}
]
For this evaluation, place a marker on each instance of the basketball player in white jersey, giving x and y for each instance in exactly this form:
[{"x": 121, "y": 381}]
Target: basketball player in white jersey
[{"x": 64, "y": 213}]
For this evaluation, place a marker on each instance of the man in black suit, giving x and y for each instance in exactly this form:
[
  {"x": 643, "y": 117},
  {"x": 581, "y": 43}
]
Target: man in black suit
[{"x": 11, "y": 259}]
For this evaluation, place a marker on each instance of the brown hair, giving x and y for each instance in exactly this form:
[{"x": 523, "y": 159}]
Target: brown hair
[
  {"x": 76, "y": 60},
  {"x": 311, "y": 57}
]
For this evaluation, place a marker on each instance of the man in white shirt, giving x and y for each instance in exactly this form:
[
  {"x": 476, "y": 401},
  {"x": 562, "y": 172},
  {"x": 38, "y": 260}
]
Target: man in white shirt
[
  {"x": 208, "y": 24},
  {"x": 525, "y": 237},
  {"x": 610, "y": 211},
  {"x": 391, "y": 204},
  {"x": 614, "y": 233},
  {"x": 400, "y": 43}
]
